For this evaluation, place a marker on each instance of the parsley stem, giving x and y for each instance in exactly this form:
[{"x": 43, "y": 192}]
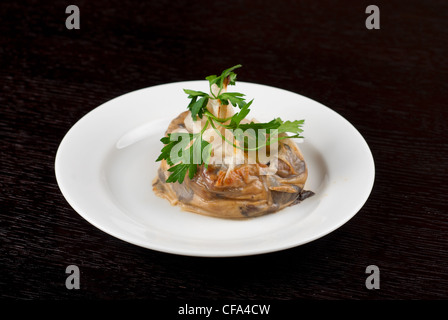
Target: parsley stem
[
  {"x": 211, "y": 115},
  {"x": 223, "y": 137},
  {"x": 205, "y": 126}
]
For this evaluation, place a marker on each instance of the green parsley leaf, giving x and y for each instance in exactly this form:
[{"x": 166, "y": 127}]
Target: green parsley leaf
[
  {"x": 197, "y": 108},
  {"x": 186, "y": 159},
  {"x": 179, "y": 140},
  {"x": 232, "y": 78},
  {"x": 178, "y": 173},
  {"x": 290, "y": 126},
  {"x": 235, "y": 98},
  {"x": 238, "y": 117},
  {"x": 193, "y": 93},
  {"x": 273, "y": 124},
  {"x": 219, "y": 81}
]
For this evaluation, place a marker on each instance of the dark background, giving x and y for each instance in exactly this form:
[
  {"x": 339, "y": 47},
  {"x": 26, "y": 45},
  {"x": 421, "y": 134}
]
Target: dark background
[{"x": 391, "y": 84}]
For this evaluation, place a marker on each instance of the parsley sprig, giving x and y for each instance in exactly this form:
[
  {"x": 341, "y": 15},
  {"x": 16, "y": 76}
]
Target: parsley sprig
[{"x": 184, "y": 152}]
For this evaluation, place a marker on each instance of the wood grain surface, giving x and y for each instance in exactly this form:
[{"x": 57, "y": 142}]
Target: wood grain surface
[{"x": 391, "y": 84}]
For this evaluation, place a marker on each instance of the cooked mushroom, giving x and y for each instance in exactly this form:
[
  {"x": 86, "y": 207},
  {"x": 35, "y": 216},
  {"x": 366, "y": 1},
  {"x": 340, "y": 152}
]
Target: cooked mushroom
[{"x": 230, "y": 189}]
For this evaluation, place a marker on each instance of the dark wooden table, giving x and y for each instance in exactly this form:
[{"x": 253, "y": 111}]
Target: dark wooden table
[{"x": 391, "y": 84}]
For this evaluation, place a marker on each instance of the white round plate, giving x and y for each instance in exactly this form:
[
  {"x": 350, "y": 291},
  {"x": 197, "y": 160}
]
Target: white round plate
[{"x": 106, "y": 163}]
